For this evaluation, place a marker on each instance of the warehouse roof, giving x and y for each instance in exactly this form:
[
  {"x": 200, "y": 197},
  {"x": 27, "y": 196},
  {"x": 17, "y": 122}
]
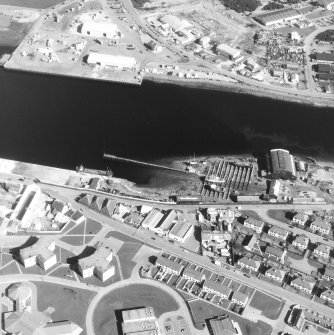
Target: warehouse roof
[
  {"x": 111, "y": 60},
  {"x": 277, "y": 15}
]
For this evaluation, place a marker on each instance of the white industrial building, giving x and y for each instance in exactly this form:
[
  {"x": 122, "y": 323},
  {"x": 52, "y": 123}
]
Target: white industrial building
[
  {"x": 100, "y": 29},
  {"x": 111, "y": 61},
  {"x": 227, "y": 51},
  {"x": 152, "y": 220}
]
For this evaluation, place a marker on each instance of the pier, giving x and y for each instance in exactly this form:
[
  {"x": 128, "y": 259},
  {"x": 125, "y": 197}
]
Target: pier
[{"x": 149, "y": 165}]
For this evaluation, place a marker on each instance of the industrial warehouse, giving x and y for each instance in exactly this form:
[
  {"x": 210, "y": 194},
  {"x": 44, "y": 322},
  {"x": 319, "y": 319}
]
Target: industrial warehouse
[
  {"x": 280, "y": 164},
  {"x": 111, "y": 61},
  {"x": 279, "y": 16}
]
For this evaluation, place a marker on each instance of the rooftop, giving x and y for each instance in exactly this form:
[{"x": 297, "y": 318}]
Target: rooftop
[
  {"x": 43, "y": 249},
  {"x": 180, "y": 229},
  {"x": 274, "y": 251},
  {"x": 197, "y": 275}
]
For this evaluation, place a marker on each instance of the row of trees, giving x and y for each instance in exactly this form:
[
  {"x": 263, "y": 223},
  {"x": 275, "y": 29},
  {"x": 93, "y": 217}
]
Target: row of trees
[
  {"x": 326, "y": 36},
  {"x": 241, "y": 6},
  {"x": 273, "y": 5}
]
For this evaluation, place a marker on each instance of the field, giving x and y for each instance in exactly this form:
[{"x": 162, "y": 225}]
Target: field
[
  {"x": 125, "y": 255},
  {"x": 278, "y": 215},
  {"x": 54, "y": 295},
  {"x": 108, "y": 312},
  {"x": 202, "y": 311},
  {"x": 270, "y": 307}
]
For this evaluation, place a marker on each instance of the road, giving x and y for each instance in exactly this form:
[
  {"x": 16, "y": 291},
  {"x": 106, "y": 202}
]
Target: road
[{"x": 160, "y": 243}]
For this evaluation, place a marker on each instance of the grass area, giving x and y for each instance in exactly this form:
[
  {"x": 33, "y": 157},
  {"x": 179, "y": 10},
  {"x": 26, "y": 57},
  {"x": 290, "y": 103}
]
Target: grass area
[
  {"x": 123, "y": 237},
  {"x": 270, "y": 307},
  {"x": 295, "y": 256},
  {"x": 10, "y": 269},
  {"x": 73, "y": 240},
  {"x": 107, "y": 312},
  {"x": 125, "y": 255},
  {"x": 278, "y": 215},
  {"x": 202, "y": 310},
  {"x": 92, "y": 227},
  {"x": 69, "y": 303},
  {"x": 252, "y": 214}
]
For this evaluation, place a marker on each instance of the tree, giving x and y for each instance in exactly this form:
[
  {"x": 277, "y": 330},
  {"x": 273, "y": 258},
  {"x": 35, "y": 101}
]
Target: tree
[
  {"x": 241, "y": 6},
  {"x": 273, "y": 5}
]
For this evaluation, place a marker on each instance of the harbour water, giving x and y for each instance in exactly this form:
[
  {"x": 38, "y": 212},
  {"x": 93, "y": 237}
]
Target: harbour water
[{"x": 64, "y": 122}]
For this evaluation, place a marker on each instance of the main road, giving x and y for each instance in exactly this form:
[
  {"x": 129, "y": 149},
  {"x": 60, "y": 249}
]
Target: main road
[{"x": 151, "y": 239}]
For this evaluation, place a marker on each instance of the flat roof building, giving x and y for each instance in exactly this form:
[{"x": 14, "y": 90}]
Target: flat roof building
[
  {"x": 180, "y": 231},
  {"x": 41, "y": 253},
  {"x": 280, "y": 165},
  {"x": 277, "y": 16},
  {"x": 98, "y": 263},
  {"x": 100, "y": 29},
  {"x": 111, "y": 61},
  {"x": 227, "y": 51}
]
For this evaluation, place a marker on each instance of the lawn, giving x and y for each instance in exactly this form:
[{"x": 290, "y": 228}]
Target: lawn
[
  {"x": 202, "y": 310},
  {"x": 108, "y": 311},
  {"x": 252, "y": 214},
  {"x": 69, "y": 303},
  {"x": 270, "y": 306},
  {"x": 125, "y": 255},
  {"x": 278, "y": 215}
]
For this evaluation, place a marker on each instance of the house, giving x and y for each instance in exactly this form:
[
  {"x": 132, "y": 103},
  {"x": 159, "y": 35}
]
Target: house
[
  {"x": 322, "y": 227},
  {"x": 255, "y": 224},
  {"x": 329, "y": 273},
  {"x": 276, "y": 253},
  {"x": 169, "y": 266},
  {"x": 328, "y": 295},
  {"x": 276, "y": 274},
  {"x": 278, "y": 232},
  {"x": 40, "y": 253},
  {"x": 240, "y": 298},
  {"x": 322, "y": 250},
  {"x": 300, "y": 218},
  {"x": 213, "y": 287},
  {"x": 98, "y": 263},
  {"x": 193, "y": 275},
  {"x": 249, "y": 264},
  {"x": 302, "y": 285},
  {"x": 301, "y": 242}
]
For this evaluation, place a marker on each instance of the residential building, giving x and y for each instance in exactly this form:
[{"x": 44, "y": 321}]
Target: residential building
[
  {"x": 193, "y": 275},
  {"x": 278, "y": 233},
  {"x": 322, "y": 227},
  {"x": 276, "y": 274},
  {"x": 302, "y": 285},
  {"x": 322, "y": 250},
  {"x": 98, "y": 263},
  {"x": 169, "y": 266},
  {"x": 301, "y": 242},
  {"x": 328, "y": 295},
  {"x": 40, "y": 253},
  {"x": 276, "y": 253},
  {"x": 180, "y": 231},
  {"x": 240, "y": 298},
  {"x": 255, "y": 224},
  {"x": 329, "y": 273},
  {"x": 300, "y": 218},
  {"x": 213, "y": 287},
  {"x": 280, "y": 164},
  {"x": 249, "y": 264},
  {"x": 325, "y": 57}
]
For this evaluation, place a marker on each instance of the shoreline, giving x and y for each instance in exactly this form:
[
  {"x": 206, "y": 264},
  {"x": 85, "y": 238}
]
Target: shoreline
[{"x": 241, "y": 89}]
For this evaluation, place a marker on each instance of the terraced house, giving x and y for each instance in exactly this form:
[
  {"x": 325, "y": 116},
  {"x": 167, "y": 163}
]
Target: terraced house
[
  {"x": 328, "y": 295},
  {"x": 303, "y": 285},
  {"x": 193, "y": 275},
  {"x": 300, "y": 218},
  {"x": 301, "y": 242},
  {"x": 249, "y": 264},
  {"x": 240, "y": 298},
  {"x": 278, "y": 233},
  {"x": 255, "y": 224},
  {"x": 213, "y": 287},
  {"x": 276, "y": 274},
  {"x": 169, "y": 266},
  {"x": 322, "y": 250},
  {"x": 320, "y": 226}
]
